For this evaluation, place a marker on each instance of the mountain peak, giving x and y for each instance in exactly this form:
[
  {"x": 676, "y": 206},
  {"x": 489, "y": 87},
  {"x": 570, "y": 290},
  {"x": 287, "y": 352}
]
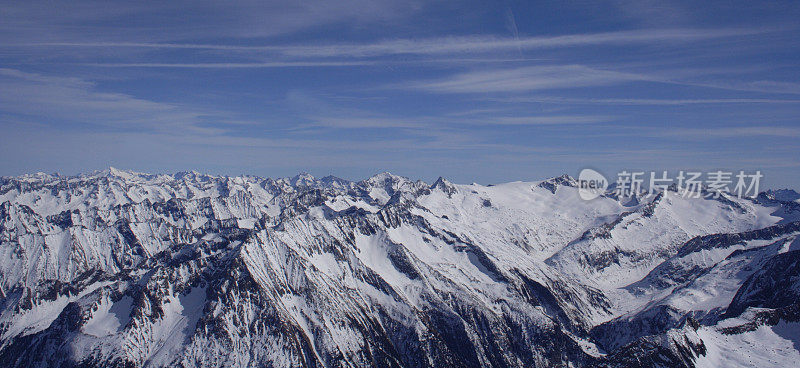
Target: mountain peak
[
  {"x": 302, "y": 179},
  {"x": 121, "y": 174},
  {"x": 186, "y": 175},
  {"x": 553, "y": 183},
  {"x": 334, "y": 181},
  {"x": 783, "y": 195},
  {"x": 444, "y": 185},
  {"x": 384, "y": 176},
  {"x": 39, "y": 176}
]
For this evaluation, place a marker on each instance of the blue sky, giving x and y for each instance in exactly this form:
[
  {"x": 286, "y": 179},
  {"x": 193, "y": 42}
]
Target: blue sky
[{"x": 474, "y": 91}]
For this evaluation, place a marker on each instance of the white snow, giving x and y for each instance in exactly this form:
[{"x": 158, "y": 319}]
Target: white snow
[
  {"x": 461, "y": 239},
  {"x": 767, "y": 346},
  {"x": 108, "y": 317}
]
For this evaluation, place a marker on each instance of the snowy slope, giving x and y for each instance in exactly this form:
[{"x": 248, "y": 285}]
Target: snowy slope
[{"x": 119, "y": 268}]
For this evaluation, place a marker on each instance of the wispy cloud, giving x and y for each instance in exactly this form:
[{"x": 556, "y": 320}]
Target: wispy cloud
[
  {"x": 51, "y": 98},
  {"x": 360, "y": 122},
  {"x": 765, "y": 86},
  {"x": 732, "y": 132},
  {"x": 644, "y": 101},
  {"x": 93, "y": 21},
  {"x": 444, "y": 45},
  {"x": 316, "y": 112},
  {"x": 481, "y": 44},
  {"x": 432, "y": 122},
  {"x": 277, "y": 64},
  {"x": 321, "y": 113},
  {"x": 548, "y": 120},
  {"x": 550, "y": 77},
  {"x": 530, "y": 78},
  {"x": 439, "y": 46}
]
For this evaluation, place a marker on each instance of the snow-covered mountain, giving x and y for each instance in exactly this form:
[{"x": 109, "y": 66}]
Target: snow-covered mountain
[{"x": 122, "y": 269}]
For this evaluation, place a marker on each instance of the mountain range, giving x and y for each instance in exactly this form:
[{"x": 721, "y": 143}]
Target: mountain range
[{"x": 124, "y": 269}]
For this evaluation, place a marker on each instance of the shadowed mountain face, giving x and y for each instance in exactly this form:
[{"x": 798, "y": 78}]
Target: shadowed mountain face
[{"x": 133, "y": 270}]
